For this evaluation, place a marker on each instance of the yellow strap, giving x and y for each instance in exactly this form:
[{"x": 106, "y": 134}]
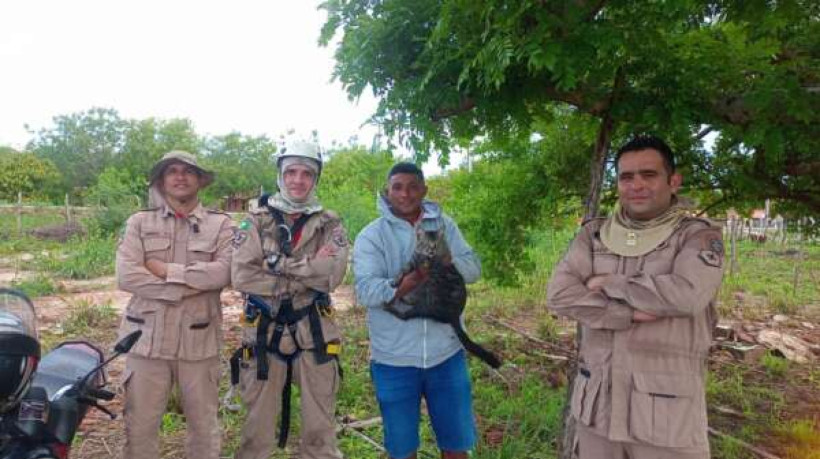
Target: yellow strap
[
  {"x": 245, "y": 321},
  {"x": 334, "y": 348}
]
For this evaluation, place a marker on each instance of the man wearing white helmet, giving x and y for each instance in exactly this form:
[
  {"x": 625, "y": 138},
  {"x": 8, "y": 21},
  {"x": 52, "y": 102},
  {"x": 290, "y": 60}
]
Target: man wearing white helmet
[{"x": 289, "y": 255}]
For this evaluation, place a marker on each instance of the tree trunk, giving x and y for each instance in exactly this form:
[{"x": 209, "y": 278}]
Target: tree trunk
[
  {"x": 596, "y": 183},
  {"x": 598, "y": 166}
]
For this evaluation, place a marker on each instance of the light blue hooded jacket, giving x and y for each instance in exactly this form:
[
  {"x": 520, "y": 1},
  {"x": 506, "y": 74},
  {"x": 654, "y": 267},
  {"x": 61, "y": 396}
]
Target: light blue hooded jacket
[{"x": 380, "y": 252}]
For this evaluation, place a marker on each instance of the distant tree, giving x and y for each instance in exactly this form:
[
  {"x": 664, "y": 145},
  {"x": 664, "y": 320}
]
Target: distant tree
[
  {"x": 116, "y": 195},
  {"x": 80, "y": 145},
  {"x": 145, "y": 141},
  {"x": 24, "y": 172},
  {"x": 350, "y": 183},
  {"x": 243, "y": 164}
]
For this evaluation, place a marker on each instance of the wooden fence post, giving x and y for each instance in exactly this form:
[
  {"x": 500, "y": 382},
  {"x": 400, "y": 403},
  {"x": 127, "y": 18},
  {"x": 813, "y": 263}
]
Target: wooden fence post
[
  {"x": 733, "y": 248},
  {"x": 20, "y": 213},
  {"x": 67, "y": 210}
]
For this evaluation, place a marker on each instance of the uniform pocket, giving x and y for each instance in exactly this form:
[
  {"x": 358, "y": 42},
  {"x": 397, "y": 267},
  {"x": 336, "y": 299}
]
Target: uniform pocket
[
  {"x": 249, "y": 386},
  {"x": 201, "y": 249},
  {"x": 156, "y": 248},
  {"x": 665, "y": 411},
  {"x": 200, "y": 330},
  {"x": 585, "y": 395},
  {"x": 140, "y": 316},
  {"x": 326, "y": 376}
]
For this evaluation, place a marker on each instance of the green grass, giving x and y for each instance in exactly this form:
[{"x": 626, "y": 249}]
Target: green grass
[
  {"x": 172, "y": 423},
  {"x": 83, "y": 258},
  {"x": 772, "y": 278},
  {"x": 37, "y": 286},
  {"x": 804, "y": 438},
  {"x": 12, "y": 247},
  {"x": 86, "y": 319},
  {"x": 8, "y": 222},
  {"x": 775, "y": 366}
]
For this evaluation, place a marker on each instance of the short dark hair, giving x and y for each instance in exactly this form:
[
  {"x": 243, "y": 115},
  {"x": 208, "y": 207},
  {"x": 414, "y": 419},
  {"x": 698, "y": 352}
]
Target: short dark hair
[
  {"x": 648, "y": 142},
  {"x": 406, "y": 168}
]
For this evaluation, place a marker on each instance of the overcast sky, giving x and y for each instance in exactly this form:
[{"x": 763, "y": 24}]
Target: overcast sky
[{"x": 253, "y": 66}]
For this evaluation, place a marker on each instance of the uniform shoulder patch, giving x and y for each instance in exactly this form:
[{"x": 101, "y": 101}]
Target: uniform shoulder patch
[
  {"x": 240, "y": 233},
  {"x": 239, "y": 237},
  {"x": 711, "y": 247}
]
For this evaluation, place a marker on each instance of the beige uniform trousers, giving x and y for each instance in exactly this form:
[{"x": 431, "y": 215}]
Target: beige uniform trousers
[
  {"x": 147, "y": 387},
  {"x": 593, "y": 446},
  {"x": 317, "y": 385}
]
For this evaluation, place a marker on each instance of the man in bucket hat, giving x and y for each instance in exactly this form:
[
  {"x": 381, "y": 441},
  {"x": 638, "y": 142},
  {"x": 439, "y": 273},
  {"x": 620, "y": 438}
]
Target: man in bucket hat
[{"x": 175, "y": 258}]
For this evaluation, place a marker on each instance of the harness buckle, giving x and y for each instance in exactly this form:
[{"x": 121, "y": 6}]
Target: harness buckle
[{"x": 286, "y": 228}]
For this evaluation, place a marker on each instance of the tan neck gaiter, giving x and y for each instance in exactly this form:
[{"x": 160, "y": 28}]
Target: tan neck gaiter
[{"x": 633, "y": 238}]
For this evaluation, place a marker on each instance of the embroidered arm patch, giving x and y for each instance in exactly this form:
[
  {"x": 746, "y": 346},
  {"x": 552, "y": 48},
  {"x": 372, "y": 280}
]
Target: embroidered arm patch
[
  {"x": 240, "y": 234},
  {"x": 712, "y": 249}
]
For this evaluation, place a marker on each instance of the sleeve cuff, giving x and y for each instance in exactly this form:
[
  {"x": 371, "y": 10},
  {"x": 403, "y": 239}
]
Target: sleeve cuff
[
  {"x": 390, "y": 293},
  {"x": 176, "y": 273},
  {"x": 615, "y": 288},
  {"x": 618, "y": 316}
]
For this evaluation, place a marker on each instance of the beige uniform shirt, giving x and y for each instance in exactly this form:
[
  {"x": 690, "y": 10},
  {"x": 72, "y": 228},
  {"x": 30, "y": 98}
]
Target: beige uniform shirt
[
  {"x": 643, "y": 382},
  {"x": 180, "y": 316},
  {"x": 293, "y": 277}
]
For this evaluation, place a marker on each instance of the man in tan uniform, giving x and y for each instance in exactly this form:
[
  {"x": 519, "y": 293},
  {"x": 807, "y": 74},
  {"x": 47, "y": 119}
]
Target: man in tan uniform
[
  {"x": 175, "y": 258},
  {"x": 642, "y": 284},
  {"x": 288, "y": 256}
]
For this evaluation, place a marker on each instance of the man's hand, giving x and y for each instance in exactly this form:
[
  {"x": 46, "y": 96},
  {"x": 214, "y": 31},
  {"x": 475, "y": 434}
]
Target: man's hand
[
  {"x": 410, "y": 281},
  {"x": 157, "y": 268},
  {"x": 597, "y": 282},
  {"x": 641, "y": 317}
]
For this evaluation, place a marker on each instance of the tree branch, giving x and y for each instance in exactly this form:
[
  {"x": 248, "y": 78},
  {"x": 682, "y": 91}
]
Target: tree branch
[
  {"x": 752, "y": 448},
  {"x": 466, "y": 105},
  {"x": 712, "y": 205},
  {"x": 799, "y": 169},
  {"x": 576, "y": 98},
  {"x": 704, "y": 132},
  {"x": 595, "y": 9}
]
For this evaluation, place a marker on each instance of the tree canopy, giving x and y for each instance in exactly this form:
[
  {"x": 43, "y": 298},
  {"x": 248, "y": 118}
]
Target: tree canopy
[
  {"x": 24, "y": 173},
  {"x": 743, "y": 75}
]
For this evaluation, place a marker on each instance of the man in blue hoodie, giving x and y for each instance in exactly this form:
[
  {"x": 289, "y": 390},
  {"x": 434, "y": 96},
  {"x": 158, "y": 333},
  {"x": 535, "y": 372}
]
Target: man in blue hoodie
[{"x": 420, "y": 357}]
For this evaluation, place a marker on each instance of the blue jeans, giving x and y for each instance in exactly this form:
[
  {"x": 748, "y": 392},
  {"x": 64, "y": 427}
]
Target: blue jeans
[{"x": 446, "y": 389}]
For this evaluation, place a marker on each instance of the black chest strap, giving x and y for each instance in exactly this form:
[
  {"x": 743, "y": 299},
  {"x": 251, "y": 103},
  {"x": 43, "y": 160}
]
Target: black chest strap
[{"x": 284, "y": 231}]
